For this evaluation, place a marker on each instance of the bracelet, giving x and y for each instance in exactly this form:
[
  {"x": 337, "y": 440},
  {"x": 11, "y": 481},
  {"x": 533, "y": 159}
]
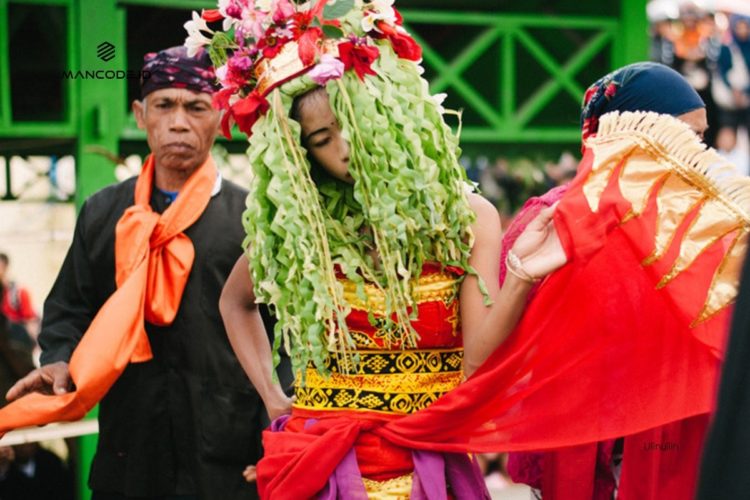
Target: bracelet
[{"x": 515, "y": 267}]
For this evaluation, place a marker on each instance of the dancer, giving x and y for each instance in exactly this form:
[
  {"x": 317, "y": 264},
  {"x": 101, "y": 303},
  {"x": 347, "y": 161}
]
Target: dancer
[{"x": 364, "y": 239}]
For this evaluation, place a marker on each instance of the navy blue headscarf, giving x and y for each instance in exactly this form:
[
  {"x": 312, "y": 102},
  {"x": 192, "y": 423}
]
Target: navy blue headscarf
[{"x": 645, "y": 86}]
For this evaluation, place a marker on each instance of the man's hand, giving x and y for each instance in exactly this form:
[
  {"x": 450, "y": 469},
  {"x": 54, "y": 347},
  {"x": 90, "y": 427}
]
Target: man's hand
[
  {"x": 249, "y": 474},
  {"x": 49, "y": 379}
]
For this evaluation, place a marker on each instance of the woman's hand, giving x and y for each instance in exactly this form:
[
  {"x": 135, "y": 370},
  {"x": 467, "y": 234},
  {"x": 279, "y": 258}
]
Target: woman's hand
[{"x": 538, "y": 247}]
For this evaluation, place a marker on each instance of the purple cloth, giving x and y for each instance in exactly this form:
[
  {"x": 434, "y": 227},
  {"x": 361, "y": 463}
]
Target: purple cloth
[
  {"x": 346, "y": 481},
  {"x": 433, "y": 472},
  {"x": 172, "y": 68}
]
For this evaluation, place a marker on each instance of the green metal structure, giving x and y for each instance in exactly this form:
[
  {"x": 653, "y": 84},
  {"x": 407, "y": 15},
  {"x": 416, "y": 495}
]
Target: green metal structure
[{"x": 517, "y": 69}]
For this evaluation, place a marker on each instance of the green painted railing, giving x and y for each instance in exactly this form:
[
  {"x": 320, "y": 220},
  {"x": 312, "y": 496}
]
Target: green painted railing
[{"x": 508, "y": 118}]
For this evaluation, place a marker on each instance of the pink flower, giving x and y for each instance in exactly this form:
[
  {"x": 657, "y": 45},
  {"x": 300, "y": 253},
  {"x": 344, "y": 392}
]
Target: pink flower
[
  {"x": 284, "y": 10},
  {"x": 240, "y": 62},
  {"x": 329, "y": 68}
]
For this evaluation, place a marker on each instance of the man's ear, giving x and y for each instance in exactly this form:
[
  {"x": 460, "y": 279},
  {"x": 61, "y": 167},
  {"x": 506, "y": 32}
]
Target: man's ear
[{"x": 139, "y": 111}]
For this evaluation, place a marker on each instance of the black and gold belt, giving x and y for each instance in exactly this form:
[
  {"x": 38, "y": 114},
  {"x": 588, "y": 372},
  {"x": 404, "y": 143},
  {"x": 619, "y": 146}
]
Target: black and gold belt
[{"x": 400, "y": 382}]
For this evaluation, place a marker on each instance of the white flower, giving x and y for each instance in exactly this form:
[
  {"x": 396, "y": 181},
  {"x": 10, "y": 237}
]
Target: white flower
[
  {"x": 195, "y": 39},
  {"x": 197, "y": 24},
  {"x": 195, "y": 42},
  {"x": 438, "y": 99},
  {"x": 221, "y": 72},
  {"x": 264, "y": 5},
  {"x": 378, "y": 10}
]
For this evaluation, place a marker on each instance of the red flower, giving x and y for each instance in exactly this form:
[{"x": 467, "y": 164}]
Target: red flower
[
  {"x": 211, "y": 15},
  {"x": 220, "y": 99},
  {"x": 245, "y": 113},
  {"x": 299, "y": 23},
  {"x": 384, "y": 30},
  {"x": 308, "y": 44},
  {"x": 358, "y": 56},
  {"x": 399, "y": 19},
  {"x": 271, "y": 44},
  {"x": 226, "y": 124},
  {"x": 405, "y": 47}
]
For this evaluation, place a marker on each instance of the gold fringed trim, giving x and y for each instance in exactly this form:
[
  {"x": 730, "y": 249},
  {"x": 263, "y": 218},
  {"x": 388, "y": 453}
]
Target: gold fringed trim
[
  {"x": 662, "y": 157},
  {"x": 675, "y": 143}
]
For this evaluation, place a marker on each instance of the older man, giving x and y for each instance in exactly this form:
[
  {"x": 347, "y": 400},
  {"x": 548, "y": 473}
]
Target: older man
[{"x": 178, "y": 417}]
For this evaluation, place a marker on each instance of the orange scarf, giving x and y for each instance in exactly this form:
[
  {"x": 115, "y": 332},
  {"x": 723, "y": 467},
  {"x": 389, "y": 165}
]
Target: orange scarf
[{"x": 153, "y": 259}]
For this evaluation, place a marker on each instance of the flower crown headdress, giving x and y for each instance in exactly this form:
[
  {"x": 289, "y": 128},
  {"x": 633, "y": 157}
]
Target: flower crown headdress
[
  {"x": 304, "y": 228},
  {"x": 265, "y": 43}
]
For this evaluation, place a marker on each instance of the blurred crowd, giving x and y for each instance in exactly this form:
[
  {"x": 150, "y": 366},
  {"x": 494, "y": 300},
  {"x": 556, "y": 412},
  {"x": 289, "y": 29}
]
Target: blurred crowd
[
  {"x": 712, "y": 51},
  {"x": 28, "y": 471}
]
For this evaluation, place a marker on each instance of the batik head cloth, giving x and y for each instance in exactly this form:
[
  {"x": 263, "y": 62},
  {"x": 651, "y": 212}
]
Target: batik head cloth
[
  {"x": 644, "y": 86},
  {"x": 173, "y": 68}
]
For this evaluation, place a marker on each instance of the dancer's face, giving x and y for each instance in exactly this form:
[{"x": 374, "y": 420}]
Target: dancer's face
[{"x": 321, "y": 135}]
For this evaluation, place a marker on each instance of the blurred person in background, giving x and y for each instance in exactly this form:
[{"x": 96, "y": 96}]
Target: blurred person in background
[
  {"x": 17, "y": 306},
  {"x": 731, "y": 87},
  {"x": 27, "y": 471},
  {"x": 726, "y": 145},
  {"x": 695, "y": 47}
]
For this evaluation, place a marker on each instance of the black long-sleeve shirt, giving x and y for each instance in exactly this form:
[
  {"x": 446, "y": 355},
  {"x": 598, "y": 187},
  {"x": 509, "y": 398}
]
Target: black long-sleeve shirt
[{"x": 187, "y": 421}]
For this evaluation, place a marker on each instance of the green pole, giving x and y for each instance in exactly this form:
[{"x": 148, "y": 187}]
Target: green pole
[
  {"x": 633, "y": 42},
  {"x": 101, "y": 101},
  {"x": 100, "y": 117}
]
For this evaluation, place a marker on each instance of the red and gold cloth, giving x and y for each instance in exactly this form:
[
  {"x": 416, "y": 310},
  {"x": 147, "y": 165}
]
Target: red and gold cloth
[{"x": 626, "y": 337}]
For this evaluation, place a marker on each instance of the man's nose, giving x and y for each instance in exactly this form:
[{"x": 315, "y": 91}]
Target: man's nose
[{"x": 179, "y": 121}]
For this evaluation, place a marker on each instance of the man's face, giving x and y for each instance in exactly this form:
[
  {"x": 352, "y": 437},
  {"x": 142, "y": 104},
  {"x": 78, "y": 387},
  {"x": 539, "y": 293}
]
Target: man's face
[{"x": 180, "y": 126}]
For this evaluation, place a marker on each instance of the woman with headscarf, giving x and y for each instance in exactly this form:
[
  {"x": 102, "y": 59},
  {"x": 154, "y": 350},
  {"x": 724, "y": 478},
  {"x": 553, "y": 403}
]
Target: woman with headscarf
[{"x": 659, "y": 461}]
